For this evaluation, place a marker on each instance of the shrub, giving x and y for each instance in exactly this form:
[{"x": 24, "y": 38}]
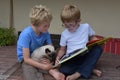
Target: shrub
[{"x": 7, "y": 36}]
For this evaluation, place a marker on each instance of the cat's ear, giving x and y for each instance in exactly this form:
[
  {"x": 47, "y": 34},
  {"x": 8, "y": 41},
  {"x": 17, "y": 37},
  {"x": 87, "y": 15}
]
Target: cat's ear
[{"x": 47, "y": 50}]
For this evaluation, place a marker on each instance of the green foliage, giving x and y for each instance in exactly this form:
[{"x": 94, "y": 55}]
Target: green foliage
[{"x": 7, "y": 36}]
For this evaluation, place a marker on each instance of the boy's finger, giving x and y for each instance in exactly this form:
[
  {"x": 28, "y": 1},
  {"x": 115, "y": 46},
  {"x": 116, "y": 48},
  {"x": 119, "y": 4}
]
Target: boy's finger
[{"x": 45, "y": 61}]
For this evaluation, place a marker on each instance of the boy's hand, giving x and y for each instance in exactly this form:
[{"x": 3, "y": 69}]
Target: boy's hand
[
  {"x": 93, "y": 38},
  {"x": 44, "y": 60},
  {"x": 57, "y": 61},
  {"x": 46, "y": 63},
  {"x": 47, "y": 66},
  {"x": 61, "y": 52}
]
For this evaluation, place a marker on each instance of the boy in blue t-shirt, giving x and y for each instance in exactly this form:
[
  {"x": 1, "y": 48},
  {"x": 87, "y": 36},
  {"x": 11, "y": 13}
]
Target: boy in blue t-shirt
[
  {"x": 32, "y": 37},
  {"x": 74, "y": 37}
]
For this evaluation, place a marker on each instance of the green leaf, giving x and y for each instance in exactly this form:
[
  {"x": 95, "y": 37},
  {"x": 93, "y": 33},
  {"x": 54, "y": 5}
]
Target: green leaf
[{"x": 7, "y": 36}]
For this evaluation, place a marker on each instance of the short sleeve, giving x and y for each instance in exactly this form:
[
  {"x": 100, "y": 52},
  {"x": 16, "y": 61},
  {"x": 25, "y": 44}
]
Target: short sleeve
[
  {"x": 25, "y": 41},
  {"x": 48, "y": 39},
  {"x": 63, "y": 40},
  {"x": 91, "y": 31}
]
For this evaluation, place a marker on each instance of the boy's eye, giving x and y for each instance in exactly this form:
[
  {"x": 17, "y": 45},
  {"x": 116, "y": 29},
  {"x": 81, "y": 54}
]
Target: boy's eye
[
  {"x": 68, "y": 26},
  {"x": 45, "y": 26},
  {"x": 71, "y": 25}
]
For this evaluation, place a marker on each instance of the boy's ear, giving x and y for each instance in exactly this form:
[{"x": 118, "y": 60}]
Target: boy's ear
[
  {"x": 35, "y": 25},
  {"x": 47, "y": 50}
]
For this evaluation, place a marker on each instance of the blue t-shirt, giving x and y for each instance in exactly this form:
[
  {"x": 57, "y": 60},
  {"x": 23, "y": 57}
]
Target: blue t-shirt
[{"x": 28, "y": 39}]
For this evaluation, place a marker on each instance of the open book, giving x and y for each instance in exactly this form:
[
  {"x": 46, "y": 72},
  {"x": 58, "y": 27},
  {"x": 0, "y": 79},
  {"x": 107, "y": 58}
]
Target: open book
[
  {"x": 83, "y": 50},
  {"x": 90, "y": 44}
]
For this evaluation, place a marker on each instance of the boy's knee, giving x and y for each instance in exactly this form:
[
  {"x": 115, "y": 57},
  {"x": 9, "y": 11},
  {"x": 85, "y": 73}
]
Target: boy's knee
[{"x": 98, "y": 49}]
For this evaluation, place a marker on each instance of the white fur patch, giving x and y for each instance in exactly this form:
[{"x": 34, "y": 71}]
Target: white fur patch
[{"x": 39, "y": 52}]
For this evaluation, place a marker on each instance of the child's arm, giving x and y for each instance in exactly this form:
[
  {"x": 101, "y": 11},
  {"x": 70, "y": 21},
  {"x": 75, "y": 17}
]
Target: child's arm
[
  {"x": 61, "y": 52},
  {"x": 93, "y": 38},
  {"x": 28, "y": 60}
]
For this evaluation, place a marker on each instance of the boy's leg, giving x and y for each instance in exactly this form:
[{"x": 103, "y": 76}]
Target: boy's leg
[
  {"x": 30, "y": 72},
  {"x": 70, "y": 66},
  {"x": 90, "y": 61}
]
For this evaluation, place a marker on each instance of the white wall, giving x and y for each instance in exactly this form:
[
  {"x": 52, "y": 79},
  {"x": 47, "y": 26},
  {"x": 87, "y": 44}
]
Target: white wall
[
  {"x": 4, "y": 13},
  {"x": 102, "y": 15}
]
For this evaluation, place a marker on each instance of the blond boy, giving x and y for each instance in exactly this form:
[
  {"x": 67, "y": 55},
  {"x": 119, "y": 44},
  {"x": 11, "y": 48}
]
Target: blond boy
[
  {"x": 76, "y": 36},
  {"x": 31, "y": 38}
]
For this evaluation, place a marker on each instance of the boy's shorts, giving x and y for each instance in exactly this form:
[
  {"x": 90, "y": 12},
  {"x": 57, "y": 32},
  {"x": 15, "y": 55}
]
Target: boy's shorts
[{"x": 32, "y": 73}]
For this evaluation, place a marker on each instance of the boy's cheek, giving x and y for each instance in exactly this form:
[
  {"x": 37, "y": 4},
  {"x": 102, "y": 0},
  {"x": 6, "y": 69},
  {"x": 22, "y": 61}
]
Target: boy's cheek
[{"x": 44, "y": 31}]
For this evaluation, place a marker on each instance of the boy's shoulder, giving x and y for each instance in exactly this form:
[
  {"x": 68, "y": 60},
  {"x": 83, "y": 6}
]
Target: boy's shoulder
[
  {"x": 65, "y": 33},
  {"x": 26, "y": 31},
  {"x": 83, "y": 25}
]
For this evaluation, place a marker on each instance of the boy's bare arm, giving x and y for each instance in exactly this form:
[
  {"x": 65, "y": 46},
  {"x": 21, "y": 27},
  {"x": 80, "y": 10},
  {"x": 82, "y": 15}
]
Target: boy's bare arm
[
  {"x": 61, "y": 52},
  {"x": 93, "y": 37},
  {"x": 28, "y": 60}
]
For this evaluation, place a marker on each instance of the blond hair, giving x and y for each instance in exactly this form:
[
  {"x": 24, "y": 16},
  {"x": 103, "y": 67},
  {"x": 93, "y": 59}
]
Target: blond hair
[
  {"x": 39, "y": 14},
  {"x": 70, "y": 13}
]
